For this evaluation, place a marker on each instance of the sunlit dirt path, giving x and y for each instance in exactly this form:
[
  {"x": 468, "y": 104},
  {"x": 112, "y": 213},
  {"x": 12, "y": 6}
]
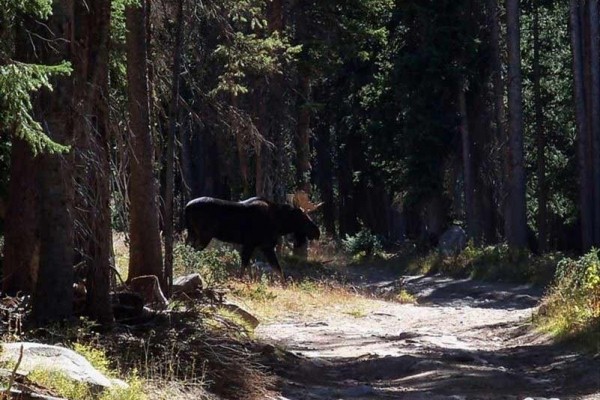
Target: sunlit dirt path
[{"x": 463, "y": 340}]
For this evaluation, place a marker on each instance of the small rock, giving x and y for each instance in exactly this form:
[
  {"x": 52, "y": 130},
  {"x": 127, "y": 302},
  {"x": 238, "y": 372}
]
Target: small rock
[
  {"x": 148, "y": 287},
  {"x": 188, "y": 284},
  {"x": 453, "y": 241}
]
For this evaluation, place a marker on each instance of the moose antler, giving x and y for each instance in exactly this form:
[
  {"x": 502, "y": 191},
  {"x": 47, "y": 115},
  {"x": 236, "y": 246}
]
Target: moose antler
[{"x": 301, "y": 200}]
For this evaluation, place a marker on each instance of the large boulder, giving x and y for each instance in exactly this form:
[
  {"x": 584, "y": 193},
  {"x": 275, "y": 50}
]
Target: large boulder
[
  {"x": 38, "y": 356},
  {"x": 453, "y": 241}
]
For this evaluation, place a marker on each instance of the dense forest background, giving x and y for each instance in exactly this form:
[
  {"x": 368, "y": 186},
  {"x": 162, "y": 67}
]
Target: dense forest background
[{"x": 403, "y": 117}]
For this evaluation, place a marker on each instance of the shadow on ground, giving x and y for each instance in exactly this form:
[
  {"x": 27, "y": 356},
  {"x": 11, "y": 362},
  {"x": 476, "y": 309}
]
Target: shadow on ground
[{"x": 519, "y": 372}]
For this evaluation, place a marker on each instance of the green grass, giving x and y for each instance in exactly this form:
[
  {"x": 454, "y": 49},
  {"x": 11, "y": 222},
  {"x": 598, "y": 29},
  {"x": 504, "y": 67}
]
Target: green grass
[
  {"x": 356, "y": 313},
  {"x": 571, "y": 308},
  {"x": 492, "y": 263}
]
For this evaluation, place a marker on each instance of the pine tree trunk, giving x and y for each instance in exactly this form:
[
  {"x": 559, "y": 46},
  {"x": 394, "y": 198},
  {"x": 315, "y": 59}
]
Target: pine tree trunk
[
  {"x": 585, "y": 180},
  {"x": 499, "y": 109},
  {"x": 21, "y": 241},
  {"x": 92, "y": 135},
  {"x": 170, "y": 159},
  {"x": 325, "y": 178},
  {"x": 469, "y": 189},
  {"x": 241, "y": 146},
  {"x": 517, "y": 236},
  {"x": 542, "y": 193},
  {"x": 53, "y": 297},
  {"x": 21, "y": 230},
  {"x": 303, "y": 137},
  {"x": 595, "y": 113},
  {"x": 145, "y": 248},
  {"x": 277, "y": 109}
]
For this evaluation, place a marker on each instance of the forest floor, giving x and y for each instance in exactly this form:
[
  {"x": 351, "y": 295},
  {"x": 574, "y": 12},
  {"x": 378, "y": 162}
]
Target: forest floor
[{"x": 460, "y": 339}]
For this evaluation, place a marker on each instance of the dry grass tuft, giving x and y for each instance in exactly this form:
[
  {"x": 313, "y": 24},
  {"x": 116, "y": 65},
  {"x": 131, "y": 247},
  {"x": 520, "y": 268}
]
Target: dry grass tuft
[{"x": 308, "y": 299}]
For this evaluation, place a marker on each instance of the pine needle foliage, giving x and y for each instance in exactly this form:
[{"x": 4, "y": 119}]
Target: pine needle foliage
[{"x": 17, "y": 82}]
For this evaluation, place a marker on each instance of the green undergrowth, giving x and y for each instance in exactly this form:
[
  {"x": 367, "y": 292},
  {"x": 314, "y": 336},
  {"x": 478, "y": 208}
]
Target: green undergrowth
[
  {"x": 200, "y": 352},
  {"x": 215, "y": 263},
  {"x": 492, "y": 263},
  {"x": 571, "y": 307},
  {"x": 62, "y": 386}
]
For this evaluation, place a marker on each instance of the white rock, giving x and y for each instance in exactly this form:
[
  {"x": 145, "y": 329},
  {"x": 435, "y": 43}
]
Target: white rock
[{"x": 38, "y": 356}]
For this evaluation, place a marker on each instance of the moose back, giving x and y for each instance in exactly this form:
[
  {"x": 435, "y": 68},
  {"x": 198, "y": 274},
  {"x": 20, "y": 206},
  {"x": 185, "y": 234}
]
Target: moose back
[{"x": 253, "y": 223}]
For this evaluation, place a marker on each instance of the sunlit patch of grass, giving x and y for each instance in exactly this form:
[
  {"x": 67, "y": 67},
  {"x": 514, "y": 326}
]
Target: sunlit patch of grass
[
  {"x": 61, "y": 384},
  {"x": 225, "y": 315},
  {"x": 423, "y": 264},
  {"x": 309, "y": 299},
  {"x": 68, "y": 388},
  {"x": 136, "y": 390},
  {"x": 404, "y": 297},
  {"x": 356, "y": 313},
  {"x": 121, "y": 249}
]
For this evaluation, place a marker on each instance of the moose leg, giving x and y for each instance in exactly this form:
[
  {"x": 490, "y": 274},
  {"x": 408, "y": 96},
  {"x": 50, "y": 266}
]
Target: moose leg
[
  {"x": 246, "y": 254},
  {"x": 269, "y": 253}
]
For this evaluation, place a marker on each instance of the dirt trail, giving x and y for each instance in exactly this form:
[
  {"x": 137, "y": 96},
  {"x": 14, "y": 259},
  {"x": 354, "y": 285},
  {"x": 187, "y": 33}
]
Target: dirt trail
[{"x": 463, "y": 340}]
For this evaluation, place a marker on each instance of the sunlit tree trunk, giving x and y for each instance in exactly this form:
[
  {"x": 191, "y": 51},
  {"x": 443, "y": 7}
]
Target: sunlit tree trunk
[{"x": 145, "y": 248}]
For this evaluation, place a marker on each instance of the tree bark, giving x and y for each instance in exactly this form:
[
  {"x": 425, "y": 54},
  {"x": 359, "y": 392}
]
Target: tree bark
[
  {"x": 585, "y": 178},
  {"x": 499, "y": 108},
  {"x": 170, "y": 161},
  {"x": 53, "y": 297},
  {"x": 468, "y": 177},
  {"x": 92, "y": 136},
  {"x": 303, "y": 166},
  {"x": 325, "y": 177},
  {"x": 21, "y": 236},
  {"x": 517, "y": 236},
  {"x": 145, "y": 248},
  {"x": 594, "y": 85},
  {"x": 542, "y": 192},
  {"x": 21, "y": 241}
]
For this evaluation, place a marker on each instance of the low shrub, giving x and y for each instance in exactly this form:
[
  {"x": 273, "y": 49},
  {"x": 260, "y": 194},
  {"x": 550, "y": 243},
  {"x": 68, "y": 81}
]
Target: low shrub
[
  {"x": 214, "y": 263},
  {"x": 495, "y": 263},
  {"x": 572, "y": 305},
  {"x": 363, "y": 244}
]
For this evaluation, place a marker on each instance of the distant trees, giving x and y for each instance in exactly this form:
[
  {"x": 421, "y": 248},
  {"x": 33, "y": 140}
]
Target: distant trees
[{"x": 400, "y": 120}]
